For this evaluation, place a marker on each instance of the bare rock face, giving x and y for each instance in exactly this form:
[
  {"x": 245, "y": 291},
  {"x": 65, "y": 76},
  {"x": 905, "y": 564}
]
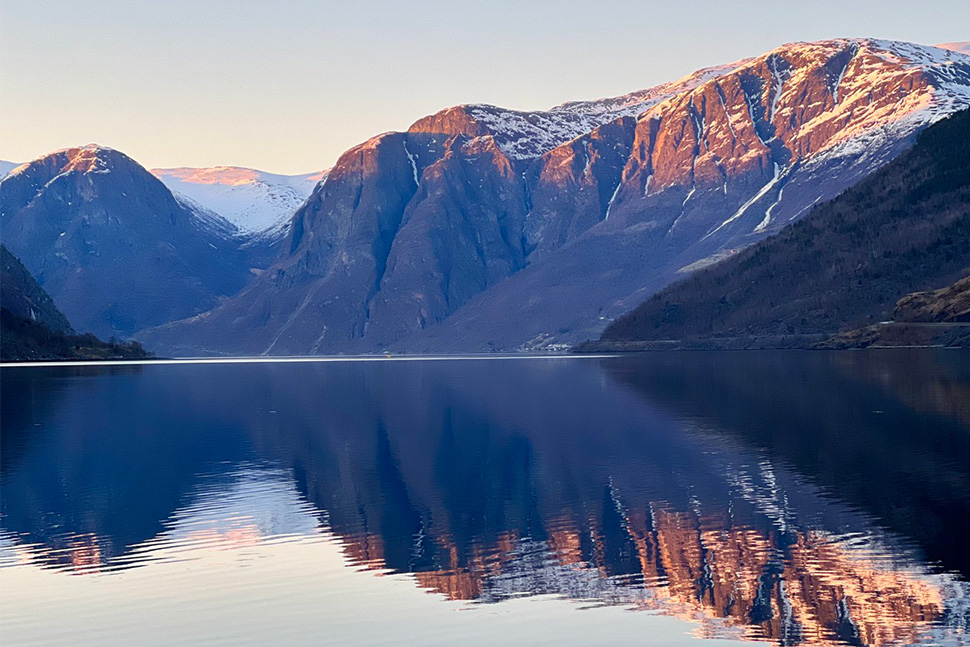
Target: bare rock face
[
  {"x": 489, "y": 229},
  {"x": 462, "y": 235},
  {"x": 571, "y": 186},
  {"x": 112, "y": 246}
]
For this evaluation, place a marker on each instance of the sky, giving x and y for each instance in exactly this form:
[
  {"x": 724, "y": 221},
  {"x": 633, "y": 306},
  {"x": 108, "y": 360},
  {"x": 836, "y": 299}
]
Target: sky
[{"x": 286, "y": 86}]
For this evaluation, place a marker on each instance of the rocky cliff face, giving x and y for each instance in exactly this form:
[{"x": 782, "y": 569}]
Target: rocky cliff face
[
  {"x": 112, "y": 246},
  {"x": 487, "y": 229}
]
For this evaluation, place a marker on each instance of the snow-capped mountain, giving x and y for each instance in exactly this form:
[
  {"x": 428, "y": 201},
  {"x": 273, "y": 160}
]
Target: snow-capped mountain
[
  {"x": 112, "y": 245},
  {"x": 963, "y": 47},
  {"x": 482, "y": 228},
  {"x": 6, "y": 167},
  {"x": 254, "y": 201}
]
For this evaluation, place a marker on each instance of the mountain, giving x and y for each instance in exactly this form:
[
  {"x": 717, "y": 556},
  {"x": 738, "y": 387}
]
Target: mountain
[
  {"x": 114, "y": 248},
  {"x": 489, "y": 229},
  {"x": 905, "y": 228},
  {"x": 962, "y": 47},
  {"x": 254, "y": 201},
  {"x": 6, "y": 167},
  {"x": 32, "y": 328}
]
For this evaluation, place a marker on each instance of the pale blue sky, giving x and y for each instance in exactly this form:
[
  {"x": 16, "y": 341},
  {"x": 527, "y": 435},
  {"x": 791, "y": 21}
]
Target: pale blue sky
[{"x": 287, "y": 86}]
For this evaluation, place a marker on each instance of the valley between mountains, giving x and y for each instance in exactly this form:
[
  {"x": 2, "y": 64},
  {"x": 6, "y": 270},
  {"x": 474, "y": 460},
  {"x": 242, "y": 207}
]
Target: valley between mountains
[{"x": 484, "y": 229}]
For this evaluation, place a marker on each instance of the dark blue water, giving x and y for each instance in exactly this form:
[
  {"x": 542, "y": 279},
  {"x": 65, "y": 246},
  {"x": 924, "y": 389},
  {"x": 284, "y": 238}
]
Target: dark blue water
[{"x": 798, "y": 498}]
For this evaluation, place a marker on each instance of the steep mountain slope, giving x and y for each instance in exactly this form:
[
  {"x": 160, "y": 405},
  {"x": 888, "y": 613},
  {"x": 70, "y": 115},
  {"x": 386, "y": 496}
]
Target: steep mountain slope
[
  {"x": 32, "y": 328},
  {"x": 23, "y": 297},
  {"x": 254, "y": 201},
  {"x": 112, "y": 245},
  {"x": 905, "y": 228},
  {"x": 482, "y": 228}
]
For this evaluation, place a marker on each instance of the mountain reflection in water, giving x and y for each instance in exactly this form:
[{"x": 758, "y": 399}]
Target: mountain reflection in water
[{"x": 794, "y": 497}]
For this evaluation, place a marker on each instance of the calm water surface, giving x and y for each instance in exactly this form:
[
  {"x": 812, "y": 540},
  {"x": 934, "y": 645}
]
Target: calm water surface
[{"x": 663, "y": 499}]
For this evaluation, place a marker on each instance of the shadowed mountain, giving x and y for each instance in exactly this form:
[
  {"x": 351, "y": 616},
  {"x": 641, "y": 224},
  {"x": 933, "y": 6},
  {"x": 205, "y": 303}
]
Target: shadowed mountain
[
  {"x": 112, "y": 246},
  {"x": 22, "y": 297},
  {"x": 32, "y": 328}
]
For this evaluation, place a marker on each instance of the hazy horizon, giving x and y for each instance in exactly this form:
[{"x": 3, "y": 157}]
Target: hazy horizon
[{"x": 182, "y": 84}]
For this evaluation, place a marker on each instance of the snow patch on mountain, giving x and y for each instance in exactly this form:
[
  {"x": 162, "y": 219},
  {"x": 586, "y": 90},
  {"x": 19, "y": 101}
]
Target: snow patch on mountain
[
  {"x": 635, "y": 103},
  {"x": 254, "y": 201},
  {"x": 863, "y": 125},
  {"x": 949, "y": 75},
  {"x": 962, "y": 47},
  {"x": 527, "y": 135},
  {"x": 207, "y": 219}
]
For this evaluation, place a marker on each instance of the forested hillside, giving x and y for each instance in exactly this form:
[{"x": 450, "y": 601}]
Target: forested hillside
[
  {"x": 32, "y": 328},
  {"x": 905, "y": 228}
]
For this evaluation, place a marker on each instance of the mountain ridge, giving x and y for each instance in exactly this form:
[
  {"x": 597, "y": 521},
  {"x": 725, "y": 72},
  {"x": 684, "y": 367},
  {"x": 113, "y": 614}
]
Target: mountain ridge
[
  {"x": 6, "y": 167},
  {"x": 522, "y": 241}
]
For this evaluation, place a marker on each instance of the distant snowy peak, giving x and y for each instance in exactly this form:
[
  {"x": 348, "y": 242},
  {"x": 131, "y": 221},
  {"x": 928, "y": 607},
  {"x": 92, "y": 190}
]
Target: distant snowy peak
[
  {"x": 256, "y": 202},
  {"x": 962, "y": 47},
  {"x": 239, "y": 176},
  {"x": 6, "y": 167}
]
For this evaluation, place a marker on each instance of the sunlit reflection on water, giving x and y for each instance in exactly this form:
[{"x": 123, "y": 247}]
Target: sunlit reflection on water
[{"x": 333, "y": 500}]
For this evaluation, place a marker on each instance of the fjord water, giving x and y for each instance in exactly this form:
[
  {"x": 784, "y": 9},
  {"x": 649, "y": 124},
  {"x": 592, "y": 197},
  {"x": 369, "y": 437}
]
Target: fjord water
[{"x": 816, "y": 498}]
